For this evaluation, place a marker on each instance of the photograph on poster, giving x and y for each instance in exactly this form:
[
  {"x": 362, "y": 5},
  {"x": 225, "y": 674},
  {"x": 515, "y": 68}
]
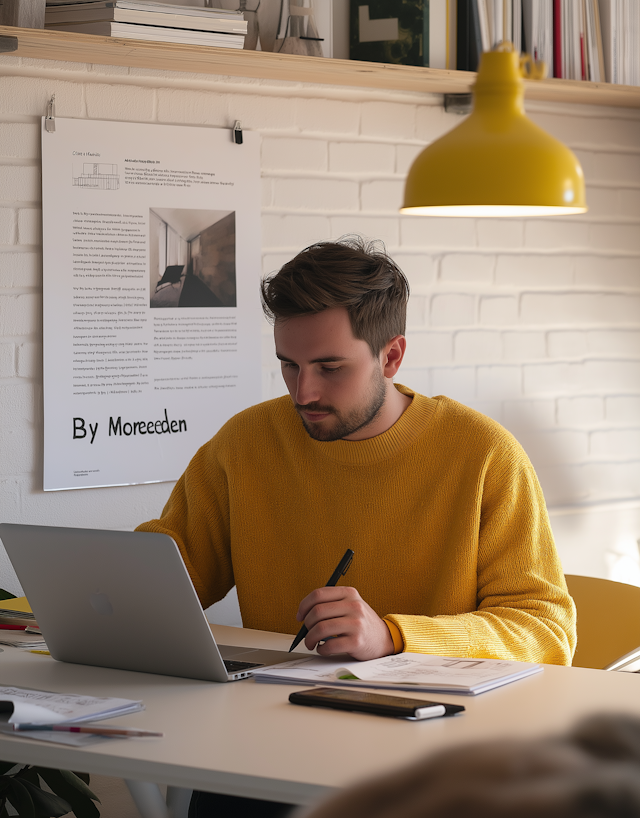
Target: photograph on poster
[{"x": 192, "y": 258}]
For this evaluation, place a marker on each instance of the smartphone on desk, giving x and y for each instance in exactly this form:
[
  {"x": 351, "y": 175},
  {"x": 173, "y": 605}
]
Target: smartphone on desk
[{"x": 380, "y": 704}]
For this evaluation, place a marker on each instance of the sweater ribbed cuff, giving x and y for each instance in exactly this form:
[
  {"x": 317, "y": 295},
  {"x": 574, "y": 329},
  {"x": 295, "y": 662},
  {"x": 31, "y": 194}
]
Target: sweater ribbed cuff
[{"x": 396, "y": 635}]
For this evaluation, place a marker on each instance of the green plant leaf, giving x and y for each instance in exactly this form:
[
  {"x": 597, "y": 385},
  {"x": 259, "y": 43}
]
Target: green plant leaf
[
  {"x": 20, "y": 798},
  {"x": 47, "y": 804},
  {"x": 68, "y": 786},
  {"x": 6, "y": 595},
  {"x": 74, "y": 780},
  {"x": 29, "y": 774},
  {"x": 5, "y": 766},
  {"x": 84, "y": 777}
]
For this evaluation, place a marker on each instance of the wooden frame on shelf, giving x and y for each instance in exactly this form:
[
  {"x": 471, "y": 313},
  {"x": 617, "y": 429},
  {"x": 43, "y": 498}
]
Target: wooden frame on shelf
[{"x": 88, "y": 48}]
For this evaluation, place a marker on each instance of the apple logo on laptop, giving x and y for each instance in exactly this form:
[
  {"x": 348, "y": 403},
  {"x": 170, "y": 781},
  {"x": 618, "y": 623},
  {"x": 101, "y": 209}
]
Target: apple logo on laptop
[{"x": 100, "y": 603}]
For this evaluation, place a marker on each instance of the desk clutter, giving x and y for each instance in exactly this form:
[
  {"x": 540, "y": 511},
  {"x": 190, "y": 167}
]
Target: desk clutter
[
  {"x": 159, "y": 22},
  {"x": 18, "y": 626},
  {"x": 63, "y": 718},
  {"x": 17, "y": 612}
]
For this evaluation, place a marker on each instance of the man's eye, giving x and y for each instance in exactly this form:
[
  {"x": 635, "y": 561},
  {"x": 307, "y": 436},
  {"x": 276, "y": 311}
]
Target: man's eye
[
  {"x": 288, "y": 365},
  {"x": 331, "y": 369}
]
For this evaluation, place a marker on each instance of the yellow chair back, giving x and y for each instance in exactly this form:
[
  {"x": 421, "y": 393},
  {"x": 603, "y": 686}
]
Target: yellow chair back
[{"x": 608, "y": 619}]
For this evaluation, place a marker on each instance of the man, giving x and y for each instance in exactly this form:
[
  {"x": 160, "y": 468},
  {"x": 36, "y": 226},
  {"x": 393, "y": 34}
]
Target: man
[{"x": 453, "y": 550}]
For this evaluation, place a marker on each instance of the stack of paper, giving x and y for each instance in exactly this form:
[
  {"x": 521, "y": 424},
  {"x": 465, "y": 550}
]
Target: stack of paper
[
  {"x": 18, "y": 626},
  {"x": 161, "y": 22},
  {"x": 404, "y": 671},
  {"x": 19, "y": 705},
  {"x": 17, "y": 612},
  {"x": 25, "y": 640}
]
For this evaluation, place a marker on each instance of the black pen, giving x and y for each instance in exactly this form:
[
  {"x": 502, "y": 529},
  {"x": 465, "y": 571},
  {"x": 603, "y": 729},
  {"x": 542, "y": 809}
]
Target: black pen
[{"x": 341, "y": 570}]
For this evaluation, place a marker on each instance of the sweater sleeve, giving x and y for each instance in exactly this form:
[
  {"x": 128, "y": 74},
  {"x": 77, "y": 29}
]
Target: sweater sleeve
[
  {"x": 523, "y": 611},
  {"x": 197, "y": 517}
]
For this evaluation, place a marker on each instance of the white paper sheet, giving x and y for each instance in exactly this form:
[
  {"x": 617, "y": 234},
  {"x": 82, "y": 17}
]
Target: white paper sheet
[{"x": 151, "y": 248}]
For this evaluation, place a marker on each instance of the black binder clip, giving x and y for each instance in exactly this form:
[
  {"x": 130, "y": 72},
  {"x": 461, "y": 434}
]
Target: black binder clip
[
  {"x": 237, "y": 133},
  {"x": 50, "y": 118}
]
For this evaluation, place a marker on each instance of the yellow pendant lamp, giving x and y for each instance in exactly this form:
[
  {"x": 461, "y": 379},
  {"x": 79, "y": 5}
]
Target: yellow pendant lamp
[{"x": 497, "y": 162}]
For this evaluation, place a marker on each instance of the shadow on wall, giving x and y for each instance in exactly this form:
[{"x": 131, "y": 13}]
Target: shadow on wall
[
  {"x": 593, "y": 540},
  {"x": 551, "y": 452}
]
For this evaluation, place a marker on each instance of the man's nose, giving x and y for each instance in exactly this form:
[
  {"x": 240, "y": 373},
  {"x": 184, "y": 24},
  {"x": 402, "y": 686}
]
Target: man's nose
[{"x": 307, "y": 388}]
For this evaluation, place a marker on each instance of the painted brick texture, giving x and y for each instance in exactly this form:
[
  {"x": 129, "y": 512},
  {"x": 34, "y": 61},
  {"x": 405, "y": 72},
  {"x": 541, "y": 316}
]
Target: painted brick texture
[{"x": 536, "y": 322}]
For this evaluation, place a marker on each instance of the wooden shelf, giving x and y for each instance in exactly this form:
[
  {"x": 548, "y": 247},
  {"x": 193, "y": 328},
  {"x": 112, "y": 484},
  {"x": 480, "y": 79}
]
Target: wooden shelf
[{"x": 87, "y": 48}]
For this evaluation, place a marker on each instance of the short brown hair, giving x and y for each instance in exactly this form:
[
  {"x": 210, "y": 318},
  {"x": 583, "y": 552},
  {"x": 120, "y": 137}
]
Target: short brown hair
[{"x": 351, "y": 273}]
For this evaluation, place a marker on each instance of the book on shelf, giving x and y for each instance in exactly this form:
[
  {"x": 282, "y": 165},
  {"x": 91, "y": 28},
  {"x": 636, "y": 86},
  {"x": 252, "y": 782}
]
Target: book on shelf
[
  {"x": 403, "y": 671},
  {"x": 620, "y": 24},
  {"x": 151, "y": 14},
  {"x": 593, "y": 40},
  {"x": 537, "y": 20},
  {"x": 499, "y": 21},
  {"x": 132, "y": 31},
  {"x": 155, "y": 21},
  {"x": 181, "y": 7}
]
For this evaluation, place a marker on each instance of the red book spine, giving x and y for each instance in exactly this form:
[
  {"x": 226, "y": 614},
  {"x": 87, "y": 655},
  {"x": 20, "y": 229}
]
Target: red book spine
[
  {"x": 557, "y": 39},
  {"x": 12, "y": 627}
]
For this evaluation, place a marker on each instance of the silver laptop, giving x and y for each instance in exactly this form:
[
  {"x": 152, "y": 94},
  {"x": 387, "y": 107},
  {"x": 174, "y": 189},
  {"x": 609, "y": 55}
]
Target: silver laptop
[{"x": 122, "y": 599}]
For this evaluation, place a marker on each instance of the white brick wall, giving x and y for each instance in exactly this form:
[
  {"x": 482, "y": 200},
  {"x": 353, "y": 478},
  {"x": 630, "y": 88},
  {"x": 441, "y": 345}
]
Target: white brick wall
[{"x": 536, "y": 322}]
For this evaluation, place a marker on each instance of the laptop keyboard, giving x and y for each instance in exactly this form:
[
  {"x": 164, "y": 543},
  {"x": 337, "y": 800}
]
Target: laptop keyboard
[{"x": 235, "y": 667}]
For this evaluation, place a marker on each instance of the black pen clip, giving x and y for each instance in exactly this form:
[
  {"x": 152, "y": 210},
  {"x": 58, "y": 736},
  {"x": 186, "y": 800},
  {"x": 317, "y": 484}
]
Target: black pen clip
[{"x": 348, "y": 563}]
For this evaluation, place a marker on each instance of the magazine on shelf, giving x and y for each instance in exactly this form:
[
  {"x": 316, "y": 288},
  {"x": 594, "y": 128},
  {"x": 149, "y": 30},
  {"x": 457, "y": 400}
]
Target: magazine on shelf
[
  {"x": 132, "y": 31},
  {"x": 152, "y": 14},
  {"x": 403, "y": 671},
  {"x": 144, "y": 5}
]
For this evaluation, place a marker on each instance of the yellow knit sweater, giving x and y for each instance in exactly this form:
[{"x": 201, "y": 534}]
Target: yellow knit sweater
[{"x": 444, "y": 512}]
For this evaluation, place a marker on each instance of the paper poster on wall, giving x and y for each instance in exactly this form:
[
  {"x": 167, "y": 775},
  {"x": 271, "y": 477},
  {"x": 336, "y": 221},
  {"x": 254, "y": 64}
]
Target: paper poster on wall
[{"x": 151, "y": 247}]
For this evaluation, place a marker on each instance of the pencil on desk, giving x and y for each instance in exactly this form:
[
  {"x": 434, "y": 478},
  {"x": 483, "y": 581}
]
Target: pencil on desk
[{"x": 84, "y": 728}]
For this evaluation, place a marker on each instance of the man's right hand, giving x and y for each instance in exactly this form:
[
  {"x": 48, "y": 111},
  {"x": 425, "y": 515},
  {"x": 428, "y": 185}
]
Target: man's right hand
[{"x": 340, "y": 621}]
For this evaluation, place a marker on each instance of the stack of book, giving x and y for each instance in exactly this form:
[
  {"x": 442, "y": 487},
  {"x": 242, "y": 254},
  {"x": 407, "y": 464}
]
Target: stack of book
[
  {"x": 144, "y": 20},
  {"x": 576, "y": 40},
  {"x": 595, "y": 40}
]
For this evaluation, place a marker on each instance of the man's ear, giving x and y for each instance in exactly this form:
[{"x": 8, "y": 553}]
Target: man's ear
[{"x": 392, "y": 355}]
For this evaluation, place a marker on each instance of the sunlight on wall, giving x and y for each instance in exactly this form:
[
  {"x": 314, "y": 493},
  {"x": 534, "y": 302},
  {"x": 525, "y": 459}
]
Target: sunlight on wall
[{"x": 623, "y": 561}]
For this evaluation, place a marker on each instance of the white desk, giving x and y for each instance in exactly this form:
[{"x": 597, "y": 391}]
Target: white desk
[{"x": 244, "y": 738}]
